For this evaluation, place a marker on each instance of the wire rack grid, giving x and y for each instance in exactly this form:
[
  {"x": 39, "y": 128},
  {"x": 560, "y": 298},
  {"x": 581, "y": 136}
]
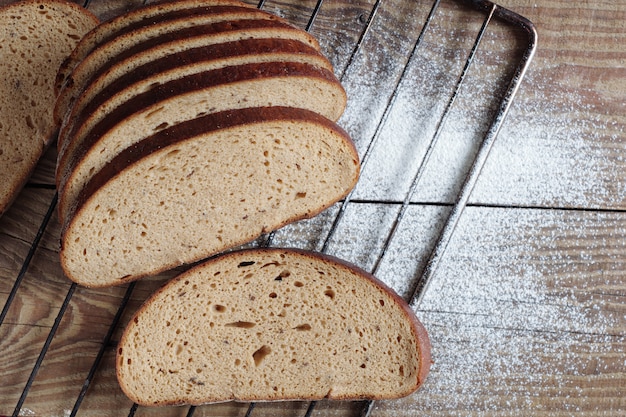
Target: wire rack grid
[{"x": 409, "y": 69}]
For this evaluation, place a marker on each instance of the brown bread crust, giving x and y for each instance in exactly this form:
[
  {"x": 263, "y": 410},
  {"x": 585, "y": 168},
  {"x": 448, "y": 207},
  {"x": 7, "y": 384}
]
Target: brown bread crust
[{"x": 135, "y": 19}]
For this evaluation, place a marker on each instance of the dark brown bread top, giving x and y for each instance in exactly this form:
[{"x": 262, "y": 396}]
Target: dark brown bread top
[
  {"x": 193, "y": 128},
  {"x": 191, "y": 83}
]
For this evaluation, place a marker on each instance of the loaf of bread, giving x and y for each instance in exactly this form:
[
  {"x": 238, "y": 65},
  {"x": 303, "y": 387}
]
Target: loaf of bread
[
  {"x": 170, "y": 48},
  {"x": 272, "y": 324},
  {"x": 35, "y": 37},
  {"x": 131, "y": 20},
  {"x": 197, "y": 45},
  {"x": 250, "y": 85},
  {"x": 181, "y": 25},
  {"x": 202, "y": 186}
]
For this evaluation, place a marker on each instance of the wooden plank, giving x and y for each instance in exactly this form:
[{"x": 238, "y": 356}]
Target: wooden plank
[
  {"x": 527, "y": 316},
  {"x": 563, "y": 142}
]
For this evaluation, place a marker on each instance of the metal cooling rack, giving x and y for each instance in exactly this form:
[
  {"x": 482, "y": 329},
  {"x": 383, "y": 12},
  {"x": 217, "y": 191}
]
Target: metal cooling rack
[{"x": 491, "y": 13}]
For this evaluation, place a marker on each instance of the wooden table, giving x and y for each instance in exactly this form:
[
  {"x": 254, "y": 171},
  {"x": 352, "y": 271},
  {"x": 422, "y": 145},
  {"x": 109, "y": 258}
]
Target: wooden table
[{"x": 527, "y": 308}]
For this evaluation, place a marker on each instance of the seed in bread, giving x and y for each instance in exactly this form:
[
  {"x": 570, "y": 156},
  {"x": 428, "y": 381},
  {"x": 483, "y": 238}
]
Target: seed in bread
[
  {"x": 269, "y": 325},
  {"x": 204, "y": 186},
  {"x": 35, "y": 37}
]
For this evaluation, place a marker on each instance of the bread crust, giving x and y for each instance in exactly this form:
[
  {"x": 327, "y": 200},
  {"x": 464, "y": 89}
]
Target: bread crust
[
  {"x": 182, "y": 34},
  {"x": 209, "y": 52},
  {"x": 419, "y": 331}
]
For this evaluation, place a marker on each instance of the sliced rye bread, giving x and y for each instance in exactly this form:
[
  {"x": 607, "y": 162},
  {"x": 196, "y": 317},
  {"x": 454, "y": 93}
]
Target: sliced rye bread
[
  {"x": 201, "y": 187},
  {"x": 104, "y": 95},
  {"x": 249, "y": 85},
  {"x": 35, "y": 37},
  {"x": 173, "y": 43},
  {"x": 104, "y": 54},
  {"x": 272, "y": 325},
  {"x": 130, "y": 20}
]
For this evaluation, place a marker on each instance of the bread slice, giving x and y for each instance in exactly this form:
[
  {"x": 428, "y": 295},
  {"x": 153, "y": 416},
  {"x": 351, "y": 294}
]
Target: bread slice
[
  {"x": 131, "y": 20},
  {"x": 171, "y": 43},
  {"x": 203, "y": 186},
  {"x": 268, "y": 325},
  {"x": 223, "y": 18},
  {"x": 35, "y": 37},
  {"x": 249, "y": 85}
]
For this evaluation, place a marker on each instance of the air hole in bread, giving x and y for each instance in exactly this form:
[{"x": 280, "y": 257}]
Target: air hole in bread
[
  {"x": 260, "y": 354},
  {"x": 298, "y": 284},
  {"x": 329, "y": 293},
  {"x": 154, "y": 112},
  {"x": 241, "y": 324},
  {"x": 283, "y": 274},
  {"x": 29, "y": 122},
  {"x": 245, "y": 263},
  {"x": 382, "y": 302},
  {"x": 301, "y": 195},
  {"x": 303, "y": 327},
  {"x": 219, "y": 308},
  {"x": 273, "y": 295}
]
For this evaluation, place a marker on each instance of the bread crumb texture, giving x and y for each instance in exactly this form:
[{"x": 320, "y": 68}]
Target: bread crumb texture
[
  {"x": 35, "y": 37},
  {"x": 270, "y": 324}
]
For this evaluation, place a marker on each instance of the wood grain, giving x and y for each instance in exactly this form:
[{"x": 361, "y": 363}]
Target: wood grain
[{"x": 527, "y": 311}]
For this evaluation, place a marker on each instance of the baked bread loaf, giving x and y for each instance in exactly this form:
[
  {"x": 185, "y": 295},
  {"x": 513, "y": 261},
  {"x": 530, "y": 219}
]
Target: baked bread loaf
[
  {"x": 272, "y": 324},
  {"x": 35, "y": 37},
  {"x": 163, "y": 55},
  {"x": 133, "y": 19},
  {"x": 202, "y": 186},
  {"x": 250, "y": 85},
  {"x": 170, "y": 45},
  {"x": 137, "y": 73},
  {"x": 188, "y": 23}
]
